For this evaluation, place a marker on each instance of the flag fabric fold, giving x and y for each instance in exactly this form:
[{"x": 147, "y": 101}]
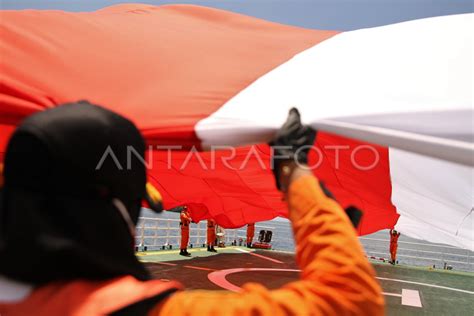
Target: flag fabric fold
[{"x": 393, "y": 105}]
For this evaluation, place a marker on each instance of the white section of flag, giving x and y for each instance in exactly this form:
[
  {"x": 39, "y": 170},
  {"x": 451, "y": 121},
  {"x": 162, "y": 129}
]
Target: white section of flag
[
  {"x": 433, "y": 197},
  {"x": 407, "y": 85},
  {"x": 393, "y": 85}
]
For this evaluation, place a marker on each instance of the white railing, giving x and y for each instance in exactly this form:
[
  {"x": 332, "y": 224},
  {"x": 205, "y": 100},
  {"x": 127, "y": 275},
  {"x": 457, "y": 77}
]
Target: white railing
[
  {"x": 161, "y": 233},
  {"x": 422, "y": 254},
  {"x": 154, "y": 233},
  {"x": 408, "y": 242}
]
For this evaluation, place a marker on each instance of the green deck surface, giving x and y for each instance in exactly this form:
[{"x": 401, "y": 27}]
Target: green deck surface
[
  {"x": 435, "y": 301},
  {"x": 173, "y": 255},
  {"x": 441, "y": 292}
]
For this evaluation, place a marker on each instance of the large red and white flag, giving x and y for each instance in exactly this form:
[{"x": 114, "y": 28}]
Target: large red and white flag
[{"x": 195, "y": 77}]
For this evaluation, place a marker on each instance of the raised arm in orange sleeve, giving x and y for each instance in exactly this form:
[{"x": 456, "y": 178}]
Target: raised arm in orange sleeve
[
  {"x": 336, "y": 278},
  {"x": 185, "y": 217}
]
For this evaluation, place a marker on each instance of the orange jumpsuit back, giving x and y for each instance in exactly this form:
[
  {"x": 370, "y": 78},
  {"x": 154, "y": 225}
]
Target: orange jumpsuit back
[
  {"x": 185, "y": 221},
  {"x": 250, "y": 233},
  {"x": 393, "y": 244},
  {"x": 87, "y": 297},
  {"x": 211, "y": 232}
]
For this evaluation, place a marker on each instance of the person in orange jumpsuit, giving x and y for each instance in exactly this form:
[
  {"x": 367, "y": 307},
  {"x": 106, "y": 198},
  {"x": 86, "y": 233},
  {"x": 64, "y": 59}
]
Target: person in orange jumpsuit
[
  {"x": 185, "y": 220},
  {"x": 211, "y": 235},
  {"x": 250, "y": 234},
  {"x": 393, "y": 245},
  {"x": 336, "y": 277}
]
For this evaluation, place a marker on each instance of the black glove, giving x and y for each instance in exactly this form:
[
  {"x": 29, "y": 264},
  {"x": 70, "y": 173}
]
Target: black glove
[
  {"x": 354, "y": 214},
  {"x": 288, "y": 142}
]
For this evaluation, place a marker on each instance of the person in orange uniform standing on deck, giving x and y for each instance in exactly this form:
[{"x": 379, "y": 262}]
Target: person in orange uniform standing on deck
[
  {"x": 250, "y": 234},
  {"x": 393, "y": 245},
  {"x": 336, "y": 277},
  {"x": 185, "y": 220},
  {"x": 211, "y": 235}
]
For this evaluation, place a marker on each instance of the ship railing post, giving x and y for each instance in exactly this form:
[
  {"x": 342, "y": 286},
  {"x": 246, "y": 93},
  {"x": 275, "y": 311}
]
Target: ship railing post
[
  {"x": 198, "y": 234},
  {"x": 155, "y": 238},
  {"x": 204, "y": 234},
  {"x": 201, "y": 238},
  {"x": 142, "y": 239},
  {"x": 168, "y": 228}
]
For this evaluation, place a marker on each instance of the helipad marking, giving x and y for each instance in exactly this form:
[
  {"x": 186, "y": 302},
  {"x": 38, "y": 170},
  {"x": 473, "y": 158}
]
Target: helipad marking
[
  {"x": 380, "y": 278},
  {"x": 411, "y": 298},
  {"x": 219, "y": 277},
  {"x": 199, "y": 268},
  {"x": 260, "y": 256},
  {"x": 429, "y": 285},
  {"x": 165, "y": 263}
]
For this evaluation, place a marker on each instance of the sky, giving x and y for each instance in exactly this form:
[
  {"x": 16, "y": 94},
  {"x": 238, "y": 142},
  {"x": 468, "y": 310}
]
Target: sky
[{"x": 317, "y": 14}]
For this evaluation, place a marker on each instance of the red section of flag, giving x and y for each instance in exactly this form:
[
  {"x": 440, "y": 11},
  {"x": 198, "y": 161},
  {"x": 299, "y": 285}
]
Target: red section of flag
[
  {"x": 164, "y": 67},
  {"x": 239, "y": 188},
  {"x": 359, "y": 176},
  {"x": 5, "y": 133}
]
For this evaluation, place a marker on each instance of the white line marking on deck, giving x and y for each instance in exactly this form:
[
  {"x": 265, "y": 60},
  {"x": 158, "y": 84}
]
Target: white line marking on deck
[
  {"x": 199, "y": 268},
  {"x": 165, "y": 263},
  {"x": 425, "y": 284},
  {"x": 260, "y": 256},
  {"x": 242, "y": 250},
  {"x": 411, "y": 298}
]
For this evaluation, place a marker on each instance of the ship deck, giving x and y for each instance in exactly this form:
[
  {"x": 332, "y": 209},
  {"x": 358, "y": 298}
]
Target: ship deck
[{"x": 408, "y": 290}]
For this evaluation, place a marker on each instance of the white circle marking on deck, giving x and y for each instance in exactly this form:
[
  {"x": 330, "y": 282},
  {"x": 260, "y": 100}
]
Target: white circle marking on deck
[{"x": 219, "y": 278}]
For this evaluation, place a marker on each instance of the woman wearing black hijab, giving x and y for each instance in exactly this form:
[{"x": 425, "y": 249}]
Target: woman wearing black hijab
[{"x": 74, "y": 182}]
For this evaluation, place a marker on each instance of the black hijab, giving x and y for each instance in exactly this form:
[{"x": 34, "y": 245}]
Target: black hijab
[{"x": 57, "y": 219}]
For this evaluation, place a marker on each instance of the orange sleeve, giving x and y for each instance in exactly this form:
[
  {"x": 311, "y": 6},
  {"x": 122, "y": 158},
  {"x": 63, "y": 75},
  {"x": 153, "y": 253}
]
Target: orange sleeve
[
  {"x": 184, "y": 217},
  {"x": 336, "y": 278}
]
